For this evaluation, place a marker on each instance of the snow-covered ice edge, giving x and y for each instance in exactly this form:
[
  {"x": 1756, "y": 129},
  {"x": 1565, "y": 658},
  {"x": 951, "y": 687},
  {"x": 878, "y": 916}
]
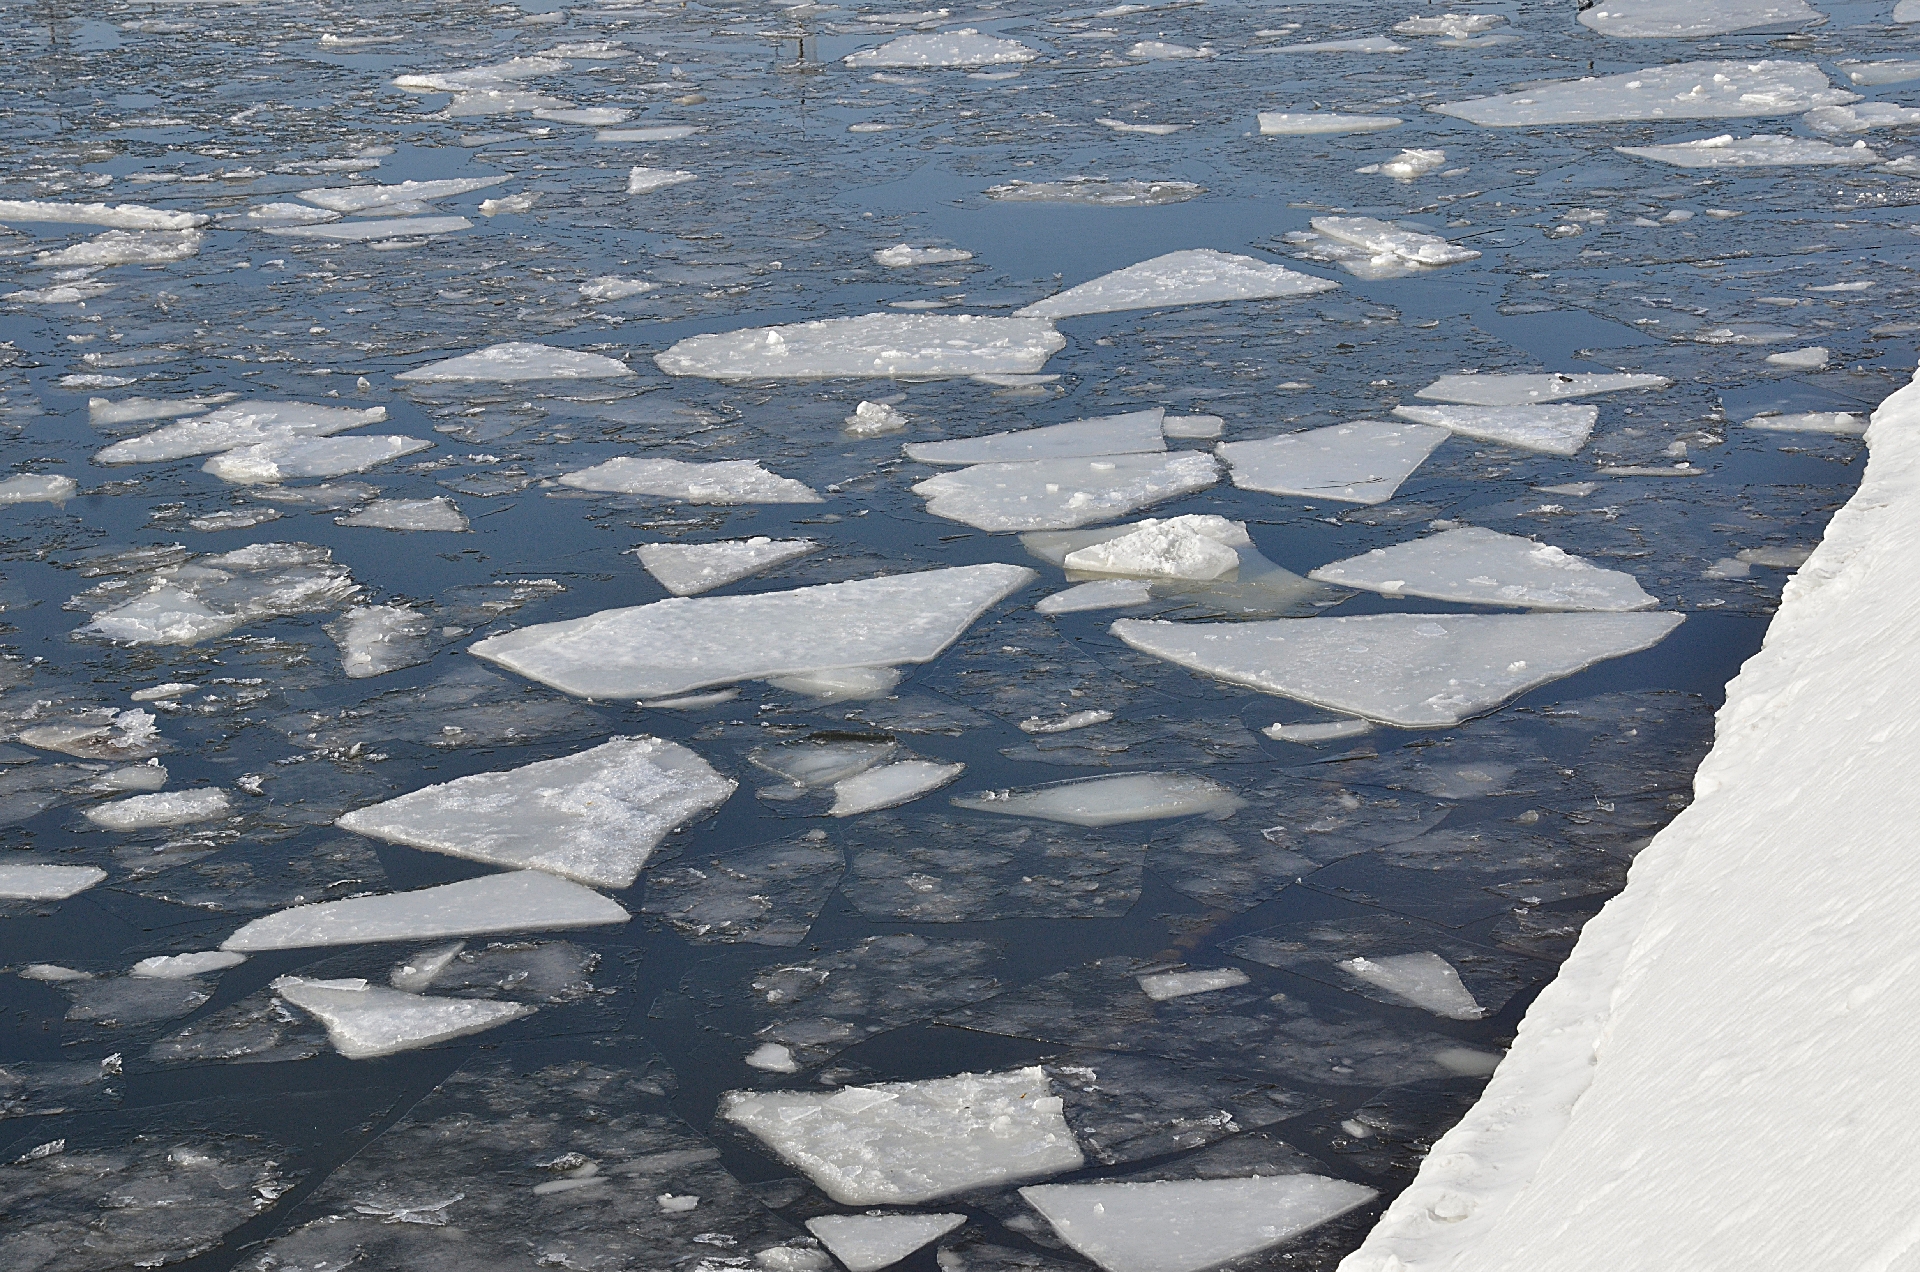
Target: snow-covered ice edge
[{"x": 1720, "y": 1075}]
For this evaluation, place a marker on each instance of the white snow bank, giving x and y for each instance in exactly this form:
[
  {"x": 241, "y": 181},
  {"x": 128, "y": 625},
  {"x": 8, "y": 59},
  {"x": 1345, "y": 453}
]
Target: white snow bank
[{"x": 1721, "y": 1071}]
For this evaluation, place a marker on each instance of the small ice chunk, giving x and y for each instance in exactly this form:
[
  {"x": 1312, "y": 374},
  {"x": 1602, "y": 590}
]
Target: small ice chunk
[
  {"x": 125, "y": 247},
  {"x": 1326, "y": 731},
  {"x": 1361, "y": 44},
  {"x": 1196, "y": 546},
  {"x": 1059, "y": 494},
  {"x": 1322, "y": 124},
  {"x": 1163, "y": 51},
  {"x": 870, "y": 419},
  {"x": 1102, "y": 594},
  {"x": 522, "y": 202},
  {"x": 590, "y": 116},
  {"x": 1840, "y": 423},
  {"x": 902, "y": 1143},
  {"x": 1398, "y": 246},
  {"x": 1415, "y": 671},
  {"x": 663, "y": 132},
  {"x": 595, "y": 816},
  {"x": 1066, "y": 723},
  {"x": 507, "y": 72},
  {"x": 1475, "y": 566},
  {"x": 890, "y": 785},
  {"x": 1203, "y": 427},
  {"x": 117, "y": 216},
  {"x": 376, "y": 639},
  {"x": 167, "y": 808},
  {"x": 1135, "y": 433},
  {"x": 181, "y": 966},
  {"x": 416, "y": 973},
  {"x": 1160, "y": 986},
  {"x": 867, "y": 1243},
  {"x": 1550, "y": 430},
  {"x": 241, "y": 424},
  {"x": 1811, "y": 359},
  {"x": 962, "y": 47},
  {"x": 1455, "y": 26},
  {"x": 1148, "y": 130},
  {"x": 1363, "y": 462},
  {"x": 159, "y": 693},
  {"x": 771, "y": 1057},
  {"x": 365, "y": 198},
  {"x": 1423, "y": 980},
  {"x": 675, "y": 1205},
  {"x": 613, "y": 287},
  {"x": 1728, "y": 151},
  {"x": 53, "y": 973},
  {"x": 731, "y": 481},
  {"x": 1533, "y": 390},
  {"x": 1408, "y": 164},
  {"x": 1185, "y": 1225},
  {"x": 269, "y": 463},
  {"x": 24, "y": 882},
  {"x": 1110, "y": 801},
  {"x": 437, "y": 513},
  {"x": 364, "y": 1021},
  {"x": 905, "y": 255},
  {"x": 910, "y": 346},
  {"x": 517, "y": 361},
  {"x": 1691, "y": 19},
  {"x": 1680, "y": 90},
  {"x": 521, "y": 901},
  {"x": 1101, "y": 192},
  {"x": 37, "y": 488},
  {"x": 267, "y": 214},
  {"x": 366, "y": 231},
  {"x": 687, "y": 569},
  {"x": 840, "y": 684},
  {"x": 647, "y": 180},
  {"x": 1199, "y": 276}
]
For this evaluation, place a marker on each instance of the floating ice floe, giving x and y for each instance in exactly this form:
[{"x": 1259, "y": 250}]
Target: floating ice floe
[
  {"x": 867, "y": 1243},
  {"x": 1164, "y": 51},
  {"x": 501, "y": 101},
  {"x": 1530, "y": 390},
  {"x": 815, "y": 762},
  {"x": 1057, "y": 494},
  {"x": 1891, "y": 71},
  {"x": 61, "y": 293},
  {"x": 1378, "y": 249},
  {"x": 1198, "y": 546},
  {"x": 1839, "y": 423},
  {"x": 1727, "y": 151},
  {"x": 902, "y": 1143},
  {"x": 134, "y": 410},
  {"x": 507, "y": 72},
  {"x": 1251, "y": 587},
  {"x": 1683, "y": 90},
  {"x": 1407, "y": 165},
  {"x": 438, "y": 513},
  {"x": 1185, "y": 1225},
  {"x": 1423, "y": 980},
  {"x": 521, "y": 901},
  {"x": 840, "y": 684},
  {"x": 1360, "y": 44},
  {"x": 366, "y": 198},
  {"x": 116, "y": 216},
  {"x": 647, "y": 180},
  {"x": 376, "y": 639},
  {"x": 181, "y": 966},
  {"x": 125, "y": 247},
  {"x": 663, "y": 132},
  {"x": 266, "y": 214},
  {"x": 595, "y": 816},
  {"x": 890, "y": 785},
  {"x": 1867, "y": 115},
  {"x": 904, "y": 255},
  {"x": 908, "y": 346},
  {"x": 267, "y": 463},
  {"x": 364, "y": 1021},
  {"x": 1322, "y": 731},
  {"x": 101, "y": 734},
  {"x": 1808, "y": 359},
  {"x": 1200, "y": 276},
  {"x": 1135, "y": 433},
  {"x": 32, "y": 882},
  {"x": 612, "y": 287},
  {"x": 731, "y": 481},
  {"x": 687, "y": 569},
  {"x": 1104, "y": 594},
  {"x": 237, "y": 425},
  {"x": 516, "y": 361},
  {"x": 366, "y": 231},
  {"x": 1475, "y": 566},
  {"x": 1199, "y": 427},
  {"x": 1691, "y": 19},
  {"x": 870, "y": 419},
  {"x": 167, "y": 808},
  {"x": 687, "y": 643},
  {"x": 1363, "y": 462},
  {"x": 1111, "y": 801},
  {"x": 1161, "y": 986},
  {"x": 1146, "y": 130},
  {"x": 1454, "y": 26},
  {"x": 1274, "y": 123},
  {"x": 37, "y": 488},
  {"x": 589, "y": 116},
  {"x": 1097, "y": 191},
  {"x": 212, "y": 595},
  {"x": 964, "y": 47},
  {"x": 1415, "y": 671},
  {"x": 1551, "y": 430}
]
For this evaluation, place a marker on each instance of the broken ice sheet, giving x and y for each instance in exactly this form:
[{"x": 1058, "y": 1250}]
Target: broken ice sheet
[
  {"x": 687, "y": 569},
  {"x": 1682, "y": 90},
  {"x": 1321, "y": 124},
  {"x": 1363, "y": 462},
  {"x": 1483, "y": 567},
  {"x": 1110, "y": 801},
  {"x": 365, "y": 231},
  {"x": 125, "y": 247},
  {"x": 520, "y": 901},
  {"x": 1198, "y": 276},
  {"x": 942, "y": 868},
  {"x": 365, "y": 1021},
  {"x": 1057, "y": 494},
  {"x": 1252, "y": 587},
  {"x": 167, "y": 808},
  {"x": 268, "y": 463},
  {"x": 1838, "y": 423},
  {"x": 118, "y": 1002},
  {"x": 123, "y": 216},
  {"x": 470, "y": 706},
  {"x": 769, "y": 895},
  {"x": 1728, "y": 151},
  {"x": 376, "y": 639},
  {"x": 367, "y": 197},
  {"x": 1225, "y": 868},
  {"x": 901, "y": 1143},
  {"x": 1480, "y": 389},
  {"x": 595, "y": 816},
  {"x": 1134, "y": 433},
  {"x": 516, "y": 362},
  {"x": 209, "y": 596},
  {"x": 906, "y": 346},
  {"x": 1691, "y": 19},
  {"x": 733, "y": 481},
  {"x": 1127, "y": 1108}
]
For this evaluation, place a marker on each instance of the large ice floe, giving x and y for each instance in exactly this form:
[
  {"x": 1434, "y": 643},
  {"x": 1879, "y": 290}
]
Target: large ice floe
[
  {"x": 1556, "y": 429},
  {"x": 903, "y": 1143},
  {"x": 964, "y": 47},
  {"x": 1363, "y": 462},
  {"x": 364, "y": 1021},
  {"x": 674, "y": 646},
  {"x": 906, "y": 346},
  {"x": 687, "y": 569},
  {"x": 237, "y": 425},
  {"x": 1135, "y": 433},
  {"x": 1728, "y": 151},
  {"x": 1691, "y": 19},
  {"x": 1199, "y": 276},
  {"x": 517, "y": 361},
  {"x": 595, "y": 817},
  {"x": 520, "y": 901},
  {"x": 728, "y": 481},
  {"x": 1484, "y": 567},
  {"x": 1683, "y": 90},
  {"x": 1058, "y": 494},
  {"x": 1412, "y": 670},
  {"x": 1111, "y": 801},
  {"x": 1532, "y": 390}
]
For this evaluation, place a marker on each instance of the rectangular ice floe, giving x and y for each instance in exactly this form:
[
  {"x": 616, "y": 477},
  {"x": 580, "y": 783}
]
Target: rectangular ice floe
[
  {"x": 521, "y": 901},
  {"x": 901, "y": 1143},
  {"x": 1683, "y": 90},
  {"x": 596, "y": 816},
  {"x": 1839, "y": 423},
  {"x": 1728, "y": 151},
  {"x": 673, "y": 646},
  {"x": 1104, "y": 594},
  {"x": 241, "y": 424},
  {"x": 1532, "y": 390},
  {"x": 364, "y": 1021},
  {"x": 1484, "y": 567},
  {"x": 437, "y": 514},
  {"x": 516, "y": 361},
  {"x": 1111, "y": 801},
  {"x": 1363, "y": 462},
  {"x": 908, "y": 346},
  {"x": 1199, "y": 276},
  {"x": 1135, "y": 433},
  {"x": 687, "y": 569},
  {"x": 1321, "y": 124},
  {"x": 1691, "y": 19},
  {"x": 1058, "y": 494},
  {"x": 37, "y": 488},
  {"x": 727, "y": 481},
  {"x": 34, "y": 882},
  {"x": 1412, "y": 670},
  {"x": 163, "y": 808},
  {"x": 1551, "y": 430}
]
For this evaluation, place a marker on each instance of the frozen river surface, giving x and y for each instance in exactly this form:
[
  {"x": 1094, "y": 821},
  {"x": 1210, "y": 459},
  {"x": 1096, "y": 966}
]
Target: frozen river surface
[{"x": 741, "y": 636}]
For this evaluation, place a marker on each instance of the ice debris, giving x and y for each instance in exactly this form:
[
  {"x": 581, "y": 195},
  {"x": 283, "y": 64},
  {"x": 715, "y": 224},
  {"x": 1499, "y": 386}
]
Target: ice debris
[
  {"x": 1199, "y": 276},
  {"x": 1390, "y": 251},
  {"x": 516, "y": 361},
  {"x": 687, "y": 569},
  {"x": 376, "y": 639},
  {"x": 210, "y": 596},
  {"x": 1161, "y": 986},
  {"x": 647, "y": 180},
  {"x": 364, "y": 1021},
  {"x": 118, "y": 216},
  {"x": 1111, "y": 801},
  {"x": 609, "y": 287},
  {"x": 962, "y": 47},
  {"x": 730, "y": 481},
  {"x": 905, "y": 255},
  {"x": 369, "y": 197},
  {"x": 1550, "y": 430},
  {"x": 867, "y": 1243},
  {"x": 1098, "y": 192},
  {"x": 167, "y": 808},
  {"x": 520, "y": 901},
  {"x": 1363, "y": 462},
  {"x": 1057, "y": 494},
  {"x": 1196, "y": 546},
  {"x": 1682, "y": 90},
  {"x": 1476, "y": 566},
  {"x": 907, "y": 346},
  {"x": 241, "y": 424},
  {"x": 125, "y": 247},
  {"x": 1135, "y": 433},
  {"x": 182, "y": 966},
  {"x": 1423, "y": 980}
]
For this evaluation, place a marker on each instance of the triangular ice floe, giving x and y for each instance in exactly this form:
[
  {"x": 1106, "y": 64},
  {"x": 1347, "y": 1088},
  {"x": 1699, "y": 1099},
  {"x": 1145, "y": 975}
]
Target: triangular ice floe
[
  {"x": 687, "y": 569},
  {"x": 1485, "y": 567},
  {"x": 1134, "y": 433},
  {"x": 1551, "y": 430},
  {"x": 1200, "y": 276},
  {"x": 523, "y": 901},
  {"x": 365, "y": 1020},
  {"x": 1363, "y": 462},
  {"x": 867, "y": 1243}
]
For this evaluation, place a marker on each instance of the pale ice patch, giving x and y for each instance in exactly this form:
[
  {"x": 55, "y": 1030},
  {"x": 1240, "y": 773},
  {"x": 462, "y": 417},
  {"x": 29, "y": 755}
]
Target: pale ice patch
[
  {"x": 1199, "y": 276},
  {"x": 1423, "y": 980},
  {"x": 516, "y": 361},
  {"x": 687, "y": 569},
  {"x": 870, "y": 419},
  {"x": 1135, "y": 433},
  {"x": 1415, "y": 671},
  {"x": 437, "y": 513},
  {"x": 182, "y": 966},
  {"x": 521, "y": 901},
  {"x": 1196, "y": 546},
  {"x": 212, "y": 595},
  {"x": 890, "y": 785},
  {"x": 501, "y": 101},
  {"x": 1691, "y": 19},
  {"x": 1103, "y": 594},
  {"x": 66, "y": 293},
  {"x": 37, "y": 488},
  {"x": 1551, "y": 430},
  {"x": 730, "y": 481},
  {"x": 901, "y": 1143},
  {"x": 840, "y": 684},
  {"x": 675, "y": 646},
  {"x": 266, "y": 214},
  {"x": 908, "y": 346},
  {"x": 1363, "y": 462},
  {"x": 1728, "y": 151},
  {"x": 1528, "y": 390},
  {"x": 807, "y": 763},
  {"x": 1359, "y": 44},
  {"x": 1407, "y": 165},
  {"x": 1853, "y": 119},
  {"x": 100, "y": 733},
  {"x": 32, "y": 882},
  {"x": 1387, "y": 250},
  {"x": 376, "y": 639},
  {"x": 104, "y": 412},
  {"x": 867, "y": 1243},
  {"x": 1098, "y": 192},
  {"x": 240, "y": 424},
  {"x": 115, "y": 216},
  {"x": 1884, "y": 72},
  {"x": 1201, "y": 427},
  {"x": 1275, "y": 123},
  {"x": 771, "y": 1057},
  {"x": 1454, "y": 26},
  {"x": 1839, "y": 423},
  {"x": 590, "y": 116},
  {"x": 507, "y": 72},
  {"x": 964, "y": 47},
  {"x": 1110, "y": 801},
  {"x": 1907, "y": 11},
  {"x": 1475, "y": 566},
  {"x": 366, "y": 231},
  {"x": 1161, "y": 986},
  {"x": 613, "y": 287},
  {"x": 364, "y": 1021},
  {"x": 903, "y": 255},
  {"x": 370, "y": 197},
  {"x": 268, "y": 463},
  {"x": 664, "y": 132},
  {"x": 165, "y": 808},
  {"x": 1808, "y": 359},
  {"x": 647, "y": 180},
  {"x": 1683, "y": 90},
  {"x": 1320, "y": 731},
  {"x": 1145, "y": 130},
  {"x": 1164, "y": 51},
  {"x": 1058, "y": 494},
  {"x": 1066, "y": 723},
  {"x": 125, "y": 247},
  {"x": 1185, "y": 1225}
]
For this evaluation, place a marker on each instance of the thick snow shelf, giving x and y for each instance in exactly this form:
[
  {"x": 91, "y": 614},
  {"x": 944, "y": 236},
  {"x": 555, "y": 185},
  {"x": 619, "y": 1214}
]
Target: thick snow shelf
[{"x": 1722, "y": 1071}]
